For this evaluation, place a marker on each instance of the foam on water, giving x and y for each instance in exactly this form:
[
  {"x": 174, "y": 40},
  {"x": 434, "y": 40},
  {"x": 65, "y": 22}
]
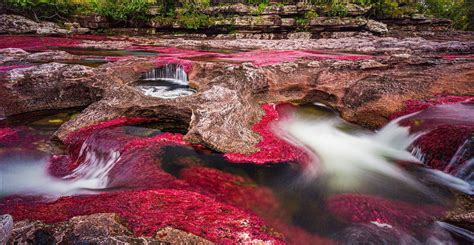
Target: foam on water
[
  {"x": 346, "y": 158},
  {"x": 167, "y": 82},
  {"x": 29, "y": 176}
]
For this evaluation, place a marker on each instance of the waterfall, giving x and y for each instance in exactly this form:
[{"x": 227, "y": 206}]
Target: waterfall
[
  {"x": 167, "y": 82},
  {"x": 171, "y": 72}
]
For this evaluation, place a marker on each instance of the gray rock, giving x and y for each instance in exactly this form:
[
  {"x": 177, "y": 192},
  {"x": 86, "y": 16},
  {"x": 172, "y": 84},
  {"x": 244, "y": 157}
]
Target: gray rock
[
  {"x": 6, "y": 227},
  {"x": 376, "y": 27},
  {"x": 16, "y": 24}
]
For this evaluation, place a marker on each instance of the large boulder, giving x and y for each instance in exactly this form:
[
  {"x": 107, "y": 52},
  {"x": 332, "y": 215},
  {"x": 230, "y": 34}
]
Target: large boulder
[{"x": 16, "y": 24}]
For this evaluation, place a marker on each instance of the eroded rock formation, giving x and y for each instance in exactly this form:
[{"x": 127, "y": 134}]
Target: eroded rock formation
[{"x": 364, "y": 90}]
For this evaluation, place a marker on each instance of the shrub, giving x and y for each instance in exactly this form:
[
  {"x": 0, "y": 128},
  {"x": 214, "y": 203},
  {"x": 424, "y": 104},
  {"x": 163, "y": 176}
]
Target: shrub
[
  {"x": 456, "y": 10},
  {"x": 43, "y": 9},
  {"x": 338, "y": 9}
]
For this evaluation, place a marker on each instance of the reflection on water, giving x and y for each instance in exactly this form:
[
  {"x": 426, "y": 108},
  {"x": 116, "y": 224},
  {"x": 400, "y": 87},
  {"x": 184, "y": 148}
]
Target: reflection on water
[{"x": 359, "y": 194}]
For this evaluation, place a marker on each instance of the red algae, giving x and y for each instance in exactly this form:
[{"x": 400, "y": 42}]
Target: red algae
[
  {"x": 7, "y": 134},
  {"x": 412, "y": 106},
  {"x": 231, "y": 189},
  {"x": 365, "y": 209},
  {"x": 36, "y": 43},
  {"x": 446, "y": 123},
  {"x": 441, "y": 144},
  {"x": 158, "y": 199},
  {"x": 19, "y": 137},
  {"x": 271, "y": 57},
  {"x": 257, "y": 57},
  {"x": 272, "y": 148},
  {"x": 147, "y": 211}
]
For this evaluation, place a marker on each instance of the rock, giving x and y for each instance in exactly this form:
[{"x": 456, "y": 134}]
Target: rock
[
  {"x": 299, "y": 35},
  {"x": 101, "y": 228},
  {"x": 12, "y": 54},
  {"x": 239, "y": 8},
  {"x": 6, "y": 227},
  {"x": 16, "y": 24},
  {"x": 50, "y": 56},
  {"x": 376, "y": 27},
  {"x": 15, "y": 55},
  {"x": 356, "y": 10},
  {"x": 174, "y": 236},
  {"x": 363, "y": 42},
  {"x": 48, "y": 86},
  {"x": 365, "y": 89}
]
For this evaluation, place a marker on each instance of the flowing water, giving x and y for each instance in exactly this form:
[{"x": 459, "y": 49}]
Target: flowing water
[
  {"x": 167, "y": 82},
  {"x": 359, "y": 187},
  {"x": 354, "y": 173}
]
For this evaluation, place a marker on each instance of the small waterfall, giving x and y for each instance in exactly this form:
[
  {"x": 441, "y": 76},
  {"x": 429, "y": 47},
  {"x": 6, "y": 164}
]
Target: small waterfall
[
  {"x": 347, "y": 159},
  {"x": 171, "y": 72},
  {"x": 29, "y": 175},
  {"x": 167, "y": 82}
]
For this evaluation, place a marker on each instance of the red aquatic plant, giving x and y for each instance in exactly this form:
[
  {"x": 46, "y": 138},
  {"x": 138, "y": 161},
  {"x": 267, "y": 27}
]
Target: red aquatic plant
[
  {"x": 147, "y": 211},
  {"x": 446, "y": 123},
  {"x": 412, "y": 106},
  {"x": 271, "y": 57},
  {"x": 365, "y": 209},
  {"x": 273, "y": 149},
  {"x": 36, "y": 43},
  {"x": 158, "y": 199}
]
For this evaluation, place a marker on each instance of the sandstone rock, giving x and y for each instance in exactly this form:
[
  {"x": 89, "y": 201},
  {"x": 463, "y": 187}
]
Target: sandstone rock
[
  {"x": 6, "y": 227},
  {"x": 102, "y": 228},
  {"x": 16, "y": 24},
  {"x": 365, "y": 89},
  {"x": 174, "y": 236},
  {"x": 239, "y": 8},
  {"x": 376, "y": 27},
  {"x": 48, "y": 86},
  {"x": 356, "y": 10},
  {"x": 299, "y": 35},
  {"x": 12, "y": 54}
]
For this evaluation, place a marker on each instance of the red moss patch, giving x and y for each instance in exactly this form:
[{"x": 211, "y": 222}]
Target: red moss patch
[
  {"x": 365, "y": 209},
  {"x": 158, "y": 199},
  {"x": 36, "y": 43},
  {"x": 439, "y": 145},
  {"x": 148, "y": 211},
  {"x": 447, "y": 122},
  {"x": 267, "y": 57},
  {"x": 272, "y": 148},
  {"x": 412, "y": 106}
]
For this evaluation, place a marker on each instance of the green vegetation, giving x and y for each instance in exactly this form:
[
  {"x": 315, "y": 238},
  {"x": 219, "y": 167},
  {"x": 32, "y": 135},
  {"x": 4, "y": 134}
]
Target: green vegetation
[
  {"x": 188, "y": 13},
  {"x": 456, "y": 10},
  {"x": 337, "y": 9}
]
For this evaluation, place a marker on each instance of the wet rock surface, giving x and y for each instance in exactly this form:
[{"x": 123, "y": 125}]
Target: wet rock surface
[
  {"x": 365, "y": 89},
  {"x": 238, "y": 96}
]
